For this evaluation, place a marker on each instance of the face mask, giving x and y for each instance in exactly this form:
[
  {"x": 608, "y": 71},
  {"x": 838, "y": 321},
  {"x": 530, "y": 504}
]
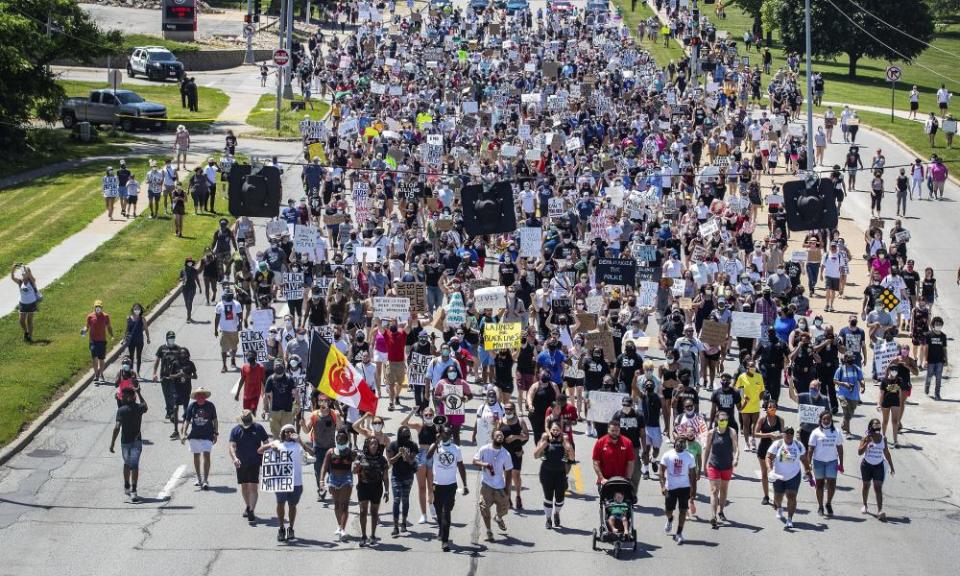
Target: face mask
[
  {"x": 722, "y": 426},
  {"x": 937, "y": 328},
  {"x": 378, "y": 427},
  {"x": 294, "y": 363},
  {"x": 288, "y": 324},
  {"x": 126, "y": 367},
  {"x": 98, "y": 309},
  {"x": 228, "y": 297},
  {"x": 447, "y": 442},
  {"x": 393, "y": 328},
  {"x": 451, "y": 375},
  {"x": 680, "y": 447},
  {"x": 342, "y": 447},
  {"x": 137, "y": 311},
  {"x": 278, "y": 369},
  {"x": 445, "y": 353},
  {"x": 814, "y": 392},
  {"x": 170, "y": 341}
]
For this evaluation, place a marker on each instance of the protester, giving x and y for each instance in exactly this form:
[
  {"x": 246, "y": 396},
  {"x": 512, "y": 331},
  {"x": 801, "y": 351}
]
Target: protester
[{"x": 129, "y": 421}]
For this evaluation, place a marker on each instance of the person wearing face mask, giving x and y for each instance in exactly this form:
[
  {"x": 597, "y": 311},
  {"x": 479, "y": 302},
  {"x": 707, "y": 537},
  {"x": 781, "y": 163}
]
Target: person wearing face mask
[
  {"x": 200, "y": 426},
  {"x": 935, "y": 357},
  {"x": 678, "y": 476},
  {"x": 226, "y": 324},
  {"x": 252, "y": 377},
  {"x": 97, "y": 326},
  {"x": 489, "y": 415},
  {"x": 447, "y": 461},
  {"x": 321, "y": 425},
  {"x": 825, "y": 456},
  {"x": 494, "y": 462},
  {"x": 784, "y": 458},
  {"x": 722, "y": 453},
  {"x": 372, "y": 485},
  {"x": 315, "y": 309},
  {"x": 779, "y": 283},
  {"x": 848, "y": 380},
  {"x": 555, "y": 453},
  {"x": 129, "y": 419},
  {"x": 450, "y": 395},
  {"x": 426, "y": 436},
  {"x": 632, "y": 428},
  {"x": 853, "y": 339},
  {"x": 402, "y": 455},
  {"x": 279, "y": 399},
  {"x": 126, "y": 378},
  {"x": 137, "y": 332},
  {"x": 539, "y": 398},
  {"x": 810, "y": 405},
  {"x": 751, "y": 387},
  {"x": 874, "y": 452},
  {"x": 396, "y": 368},
  {"x": 769, "y": 428},
  {"x": 246, "y": 438},
  {"x": 290, "y": 442},
  {"x": 298, "y": 346},
  {"x": 650, "y": 404},
  {"x": 336, "y": 474}
]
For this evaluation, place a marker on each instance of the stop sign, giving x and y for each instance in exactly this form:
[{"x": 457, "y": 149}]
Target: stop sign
[{"x": 281, "y": 57}]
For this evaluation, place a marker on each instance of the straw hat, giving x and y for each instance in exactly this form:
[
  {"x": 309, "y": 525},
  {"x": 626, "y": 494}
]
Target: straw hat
[{"x": 201, "y": 391}]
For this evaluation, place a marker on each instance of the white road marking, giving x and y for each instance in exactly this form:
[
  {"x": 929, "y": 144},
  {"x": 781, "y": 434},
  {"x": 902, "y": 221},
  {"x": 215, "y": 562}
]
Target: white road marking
[{"x": 171, "y": 483}]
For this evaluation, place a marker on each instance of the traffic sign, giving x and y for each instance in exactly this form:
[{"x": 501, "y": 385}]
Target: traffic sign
[
  {"x": 281, "y": 57},
  {"x": 249, "y": 29},
  {"x": 893, "y": 73}
]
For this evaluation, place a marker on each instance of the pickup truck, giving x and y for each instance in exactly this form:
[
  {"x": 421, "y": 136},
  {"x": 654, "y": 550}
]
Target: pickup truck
[{"x": 108, "y": 106}]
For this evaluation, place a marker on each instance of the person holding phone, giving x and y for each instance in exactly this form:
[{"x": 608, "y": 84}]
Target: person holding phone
[{"x": 29, "y": 298}]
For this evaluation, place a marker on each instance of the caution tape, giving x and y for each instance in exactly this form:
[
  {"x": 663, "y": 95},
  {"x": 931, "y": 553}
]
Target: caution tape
[{"x": 153, "y": 119}]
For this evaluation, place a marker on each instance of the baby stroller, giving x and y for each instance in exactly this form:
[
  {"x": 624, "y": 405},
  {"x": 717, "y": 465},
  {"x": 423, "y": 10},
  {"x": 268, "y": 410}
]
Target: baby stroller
[{"x": 603, "y": 534}]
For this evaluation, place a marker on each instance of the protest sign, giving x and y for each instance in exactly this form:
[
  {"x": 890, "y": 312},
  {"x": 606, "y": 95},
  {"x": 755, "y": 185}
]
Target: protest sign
[
  {"x": 365, "y": 254},
  {"x": 746, "y": 325},
  {"x": 505, "y": 335},
  {"x": 594, "y": 303},
  {"x": 709, "y": 228},
  {"x": 883, "y": 354},
  {"x": 645, "y": 253},
  {"x": 809, "y": 413},
  {"x": 603, "y": 405},
  {"x": 385, "y": 307},
  {"x": 798, "y": 256},
  {"x": 647, "y": 294},
  {"x": 261, "y": 319},
  {"x": 276, "y": 470},
  {"x": 714, "y": 333},
  {"x": 456, "y": 311},
  {"x": 276, "y": 228},
  {"x": 617, "y": 271},
  {"x": 305, "y": 239},
  {"x": 494, "y": 298},
  {"x": 416, "y": 293},
  {"x": 603, "y": 339},
  {"x": 556, "y": 208},
  {"x": 253, "y": 341},
  {"x": 417, "y": 369},
  {"x": 452, "y": 398},
  {"x": 531, "y": 241},
  {"x": 291, "y": 284}
]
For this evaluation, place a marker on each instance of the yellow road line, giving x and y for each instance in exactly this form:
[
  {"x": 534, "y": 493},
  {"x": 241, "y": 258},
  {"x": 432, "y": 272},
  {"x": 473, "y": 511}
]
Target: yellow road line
[{"x": 577, "y": 479}]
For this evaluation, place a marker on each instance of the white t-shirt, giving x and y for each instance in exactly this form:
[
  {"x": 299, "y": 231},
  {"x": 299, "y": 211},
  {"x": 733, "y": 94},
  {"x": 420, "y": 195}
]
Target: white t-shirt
[
  {"x": 832, "y": 267},
  {"x": 297, "y": 451},
  {"x": 874, "y": 452},
  {"x": 229, "y": 314},
  {"x": 501, "y": 461},
  {"x": 786, "y": 458},
  {"x": 445, "y": 460},
  {"x": 823, "y": 443},
  {"x": 677, "y": 468}
]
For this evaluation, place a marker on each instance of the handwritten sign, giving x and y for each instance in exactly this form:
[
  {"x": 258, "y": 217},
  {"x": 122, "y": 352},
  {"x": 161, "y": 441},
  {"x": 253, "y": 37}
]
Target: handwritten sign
[
  {"x": 617, "y": 271},
  {"x": 253, "y": 341},
  {"x": 417, "y": 369},
  {"x": 456, "y": 311},
  {"x": 385, "y": 307},
  {"x": 292, "y": 285},
  {"x": 603, "y": 405},
  {"x": 503, "y": 336},
  {"x": 416, "y": 293},
  {"x": 746, "y": 325},
  {"x": 494, "y": 298},
  {"x": 809, "y": 413},
  {"x": 276, "y": 471},
  {"x": 714, "y": 333}
]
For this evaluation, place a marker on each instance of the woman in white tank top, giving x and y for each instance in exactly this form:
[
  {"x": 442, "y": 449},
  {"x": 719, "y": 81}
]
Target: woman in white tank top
[
  {"x": 29, "y": 298},
  {"x": 874, "y": 454}
]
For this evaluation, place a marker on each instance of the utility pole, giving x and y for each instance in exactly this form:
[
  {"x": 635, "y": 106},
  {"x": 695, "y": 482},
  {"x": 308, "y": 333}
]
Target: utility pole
[
  {"x": 288, "y": 69},
  {"x": 806, "y": 21},
  {"x": 280, "y": 70},
  {"x": 248, "y": 57}
]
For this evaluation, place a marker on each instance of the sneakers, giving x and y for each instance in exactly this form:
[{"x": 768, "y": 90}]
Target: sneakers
[
  {"x": 882, "y": 516},
  {"x": 500, "y": 523},
  {"x": 126, "y": 491},
  {"x": 765, "y": 501},
  {"x": 396, "y": 531},
  {"x": 363, "y": 541},
  {"x": 780, "y": 514},
  {"x": 789, "y": 524},
  {"x": 489, "y": 535},
  {"x": 445, "y": 546},
  {"x": 863, "y": 509},
  {"x": 290, "y": 535},
  {"x": 722, "y": 515},
  {"x": 678, "y": 538},
  {"x": 198, "y": 483},
  {"x": 655, "y": 466},
  {"x": 423, "y": 519},
  {"x": 549, "y": 523},
  {"x": 205, "y": 485},
  {"x": 668, "y": 526},
  {"x": 174, "y": 435},
  {"x": 556, "y": 520},
  {"x": 820, "y": 511},
  {"x": 133, "y": 497},
  {"x": 281, "y": 535},
  {"x": 519, "y": 503},
  {"x": 829, "y": 510}
]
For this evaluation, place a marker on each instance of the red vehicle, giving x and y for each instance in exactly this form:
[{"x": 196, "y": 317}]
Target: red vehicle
[{"x": 560, "y": 6}]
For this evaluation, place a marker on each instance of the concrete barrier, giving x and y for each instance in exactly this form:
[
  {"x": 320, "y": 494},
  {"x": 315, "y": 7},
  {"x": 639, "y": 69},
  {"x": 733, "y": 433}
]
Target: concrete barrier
[{"x": 198, "y": 61}]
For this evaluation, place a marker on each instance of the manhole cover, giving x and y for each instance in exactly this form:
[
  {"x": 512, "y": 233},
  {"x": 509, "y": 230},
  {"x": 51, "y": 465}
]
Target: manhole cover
[{"x": 44, "y": 453}]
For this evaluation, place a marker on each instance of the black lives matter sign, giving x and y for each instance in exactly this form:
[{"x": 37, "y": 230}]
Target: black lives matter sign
[
  {"x": 617, "y": 271},
  {"x": 276, "y": 472}
]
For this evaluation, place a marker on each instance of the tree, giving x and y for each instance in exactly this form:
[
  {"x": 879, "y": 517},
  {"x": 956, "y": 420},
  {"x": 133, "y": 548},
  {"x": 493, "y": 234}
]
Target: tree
[
  {"x": 944, "y": 10},
  {"x": 770, "y": 15},
  {"x": 832, "y": 34},
  {"x": 28, "y": 87}
]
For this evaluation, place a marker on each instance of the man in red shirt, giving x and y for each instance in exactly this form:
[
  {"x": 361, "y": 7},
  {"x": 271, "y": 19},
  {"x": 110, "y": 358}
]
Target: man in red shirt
[
  {"x": 252, "y": 377},
  {"x": 613, "y": 455},
  {"x": 97, "y": 327},
  {"x": 396, "y": 358}
]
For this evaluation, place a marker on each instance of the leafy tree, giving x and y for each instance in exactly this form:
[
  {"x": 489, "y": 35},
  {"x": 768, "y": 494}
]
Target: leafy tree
[
  {"x": 944, "y": 10},
  {"x": 28, "y": 87},
  {"x": 832, "y": 34},
  {"x": 770, "y": 15}
]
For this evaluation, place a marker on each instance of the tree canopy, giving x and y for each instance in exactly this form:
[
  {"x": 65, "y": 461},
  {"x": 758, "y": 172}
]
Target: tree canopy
[
  {"x": 28, "y": 87},
  {"x": 832, "y": 34}
]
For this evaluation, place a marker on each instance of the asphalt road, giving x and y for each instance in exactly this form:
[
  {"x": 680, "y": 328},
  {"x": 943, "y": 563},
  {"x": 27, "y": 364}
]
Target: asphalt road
[
  {"x": 144, "y": 21},
  {"x": 62, "y": 507}
]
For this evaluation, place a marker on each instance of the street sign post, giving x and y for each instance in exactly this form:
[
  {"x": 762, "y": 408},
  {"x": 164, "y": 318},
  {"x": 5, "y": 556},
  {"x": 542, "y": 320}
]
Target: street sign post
[
  {"x": 281, "y": 57},
  {"x": 893, "y": 74}
]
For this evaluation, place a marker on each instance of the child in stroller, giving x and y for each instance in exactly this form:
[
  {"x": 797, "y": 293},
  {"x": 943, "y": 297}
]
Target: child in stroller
[{"x": 618, "y": 515}]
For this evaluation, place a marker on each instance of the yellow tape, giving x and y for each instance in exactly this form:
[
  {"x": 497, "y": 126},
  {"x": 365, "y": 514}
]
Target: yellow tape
[{"x": 151, "y": 119}]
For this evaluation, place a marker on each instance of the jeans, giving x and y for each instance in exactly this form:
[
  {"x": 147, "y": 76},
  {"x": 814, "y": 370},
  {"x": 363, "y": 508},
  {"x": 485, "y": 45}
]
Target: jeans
[
  {"x": 934, "y": 370},
  {"x": 444, "y": 497},
  {"x": 401, "y": 497},
  {"x": 813, "y": 271},
  {"x": 901, "y": 203},
  {"x": 434, "y": 298}
]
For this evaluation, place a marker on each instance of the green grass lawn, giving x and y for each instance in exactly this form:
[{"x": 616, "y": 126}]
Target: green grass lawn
[
  {"x": 50, "y": 145},
  {"x": 131, "y": 41},
  {"x": 142, "y": 263},
  {"x": 212, "y": 100},
  {"x": 662, "y": 55},
  {"x": 263, "y": 116},
  {"x": 29, "y": 228}
]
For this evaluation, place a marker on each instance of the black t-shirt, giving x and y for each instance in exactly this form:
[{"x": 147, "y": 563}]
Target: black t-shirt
[
  {"x": 526, "y": 359},
  {"x": 248, "y": 440},
  {"x": 201, "y": 417},
  {"x": 432, "y": 274},
  {"x": 793, "y": 270},
  {"x": 281, "y": 387},
  {"x": 936, "y": 347},
  {"x": 650, "y": 405},
  {"x": 910, "y": 278},
  {"x": 503, "y": 368},
  {"x": 169, "y": 359},
  {"x": 508, "y": 273},
  {"x": 130, "y": 417},
  {"x": 616, "y": 332},
  {"x": 402, "y": 469},
  {"x": 630, "y": 425},
  {"x": 593, "y": 373},
  {"x": 726, "y": 400},
  {"x": 871, "y": 293},
  {"x": 628, "y": 366}
]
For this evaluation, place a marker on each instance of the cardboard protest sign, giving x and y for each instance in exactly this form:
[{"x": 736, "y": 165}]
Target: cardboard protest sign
[
  {"x": 305, "y": 239},
  {"x": 531, "y": 241},
  {"x": 647, "y": 294},
  {"x": 746, "y": 325},
  {"x": 385, "y": 307},
  {"x": 603, "y": 339},
  {"x": 417, "y": 369},
  {"x": 253, "y": 341},
  {"x": 714, "y": 333},
  {"x": 494, "y": 298},
  {"x": 617, "y": 271},
  {"x": 416, "y": 293},
  {"x": 603, "y": 405},
  {"x": 277, "y": 470},
  {"x": 809, "y": 413},
  {"x": 505, "y": 335},
  {"x": 291, "y": 284}
]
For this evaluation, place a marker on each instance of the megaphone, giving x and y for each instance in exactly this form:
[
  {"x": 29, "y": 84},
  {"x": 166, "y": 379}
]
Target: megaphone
[{"x": 440, "y": 421}]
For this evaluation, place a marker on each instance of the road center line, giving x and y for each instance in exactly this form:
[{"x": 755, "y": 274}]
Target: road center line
[{"x": 171, "y": 483}]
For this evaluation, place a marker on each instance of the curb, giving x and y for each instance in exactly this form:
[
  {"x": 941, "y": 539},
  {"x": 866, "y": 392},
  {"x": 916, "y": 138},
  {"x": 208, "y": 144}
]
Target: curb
[{"x": 40, "y": 422}]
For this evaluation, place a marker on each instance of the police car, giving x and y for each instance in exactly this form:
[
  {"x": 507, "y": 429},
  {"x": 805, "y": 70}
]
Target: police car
[{"x": 154, "y": 62}]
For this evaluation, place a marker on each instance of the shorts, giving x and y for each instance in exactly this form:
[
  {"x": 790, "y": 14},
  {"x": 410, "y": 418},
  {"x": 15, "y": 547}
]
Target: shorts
[
  {"x": 200, "y": 445},
  {"x": 718, "y": 474},
  {"x": 678, "y": 497},
  {"x": 422, "y": 459},
  {"x": 229, "y": 341},
  {"x": 654, "y": 436},
  {"x": 131, "y": 454},
  {"x": 712, "y": 357},
  {"x": 290, "y": 497},
  {"x": 369, "y": 492},
  {"x": 153, "y": 195},
  {"x": 490, "y": 497},
  {"x": 832, "y": 283},
  {"x": 27, "y": 308},
  {"x": 525, "y": 381},
  {"x": 251, "y": 403},
  {"x": 249, "y": 474},
  {"x": 98, "y": 350},
  {"x": 516, "y": 458},
  {"x": 943, "y": 105},
  {"x": 379, "y": 356},
  {"x": 505, "y": 387},
  {"x": 872, "y": 472},
  {"x": 341, "y": 480},
  {"x": 822, "y": 470},
  {"x": 791, "y": 485},
  {"x": 181, "y": 393},
  {"x": 279, "y": 419},
  {"x": 396, "y": 372},
  {"x": 131, "y": 199},
  {"x": 848, "y": 407}
]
